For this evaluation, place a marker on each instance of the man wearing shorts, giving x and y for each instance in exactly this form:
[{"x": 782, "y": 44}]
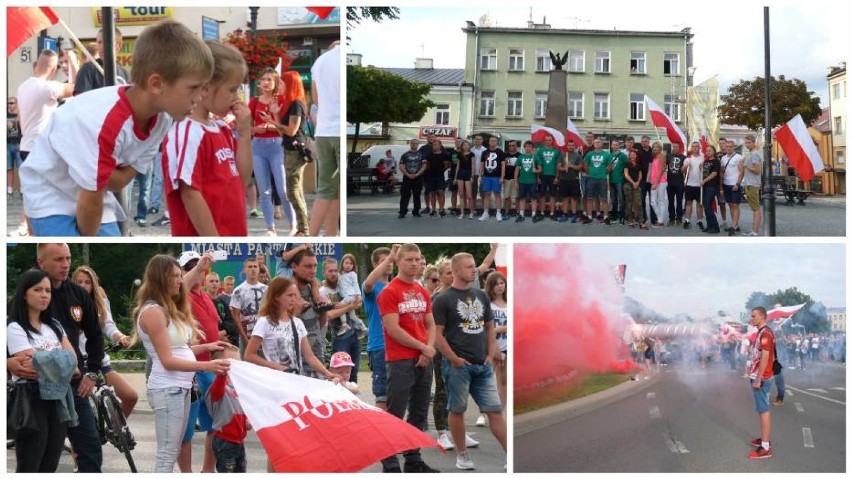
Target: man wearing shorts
[
  {"x": 526, "y": 175},
  {"x": 492, "y": 169},
  {"x": 510, "y": 186},
  {"x": 752, "y": 167},
  {"x": 732, "y": 171},
  {"x": 437, "y": 163},
  {"x": 597, "y": 164},
  {"x": 569, "y": 181},
  {"x": 761, "y": 357},
  {"x": 547, "y": 158},
  {"x": 616, "y": 180}
]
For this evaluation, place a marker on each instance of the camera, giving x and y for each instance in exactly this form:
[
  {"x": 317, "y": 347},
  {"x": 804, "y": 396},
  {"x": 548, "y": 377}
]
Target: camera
[{"x": 304, "y": 153}]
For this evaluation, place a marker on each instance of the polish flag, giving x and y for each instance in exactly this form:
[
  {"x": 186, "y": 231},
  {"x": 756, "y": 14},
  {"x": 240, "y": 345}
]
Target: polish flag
[
  {"x": 662, "y": 120},
  {"x": 539, "y": 132},
  {"x": 783, "y": 312},
  {"x": 574, "y": 133},
  {"x": 310, "y": 425},
  {"x": 23, "y": 23},
  {"x": 322, "y": 12},
  {"x": 794, "y": 139}
]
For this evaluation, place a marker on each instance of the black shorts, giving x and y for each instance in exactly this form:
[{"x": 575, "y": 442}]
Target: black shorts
[
  {"x": 547, "y": 186},
  {"x": 569, "y": 188},
  {"x": 692, "y": 193},
  {"x": 434, "y": 185}
]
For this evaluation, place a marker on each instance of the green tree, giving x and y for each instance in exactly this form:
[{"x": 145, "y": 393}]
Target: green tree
[
  {"x": 745, "y": 104},
  {"x": 813, "y": 316},
  {"x": 355, "y": 15},
  {"x": 374, "y": 95}
]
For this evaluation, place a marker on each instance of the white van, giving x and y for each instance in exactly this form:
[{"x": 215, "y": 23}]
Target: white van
[{"x": 371, "y": 156}]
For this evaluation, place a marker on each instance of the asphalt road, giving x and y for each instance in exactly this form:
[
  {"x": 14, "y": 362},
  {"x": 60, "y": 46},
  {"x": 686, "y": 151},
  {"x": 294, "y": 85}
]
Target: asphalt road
[
  {"x": 695, "y": 420},
  {"x": 376, "y": 215},
  {"x": 488, "y": 456}
]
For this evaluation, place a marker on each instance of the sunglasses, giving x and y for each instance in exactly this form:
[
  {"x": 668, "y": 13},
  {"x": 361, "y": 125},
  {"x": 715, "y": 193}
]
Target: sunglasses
[{"x": 434, "y": 280}]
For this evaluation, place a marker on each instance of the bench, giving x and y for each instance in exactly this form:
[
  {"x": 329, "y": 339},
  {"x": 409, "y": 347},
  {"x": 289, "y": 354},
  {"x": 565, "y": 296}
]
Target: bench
[
  {"x": 365, "y": 178},
  {"x": 788, "y": 188}
]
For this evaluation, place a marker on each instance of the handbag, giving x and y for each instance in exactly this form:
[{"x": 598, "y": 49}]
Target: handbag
[
  {"x": 20, "y": 415},
  {"x": 195, "y": 390}
]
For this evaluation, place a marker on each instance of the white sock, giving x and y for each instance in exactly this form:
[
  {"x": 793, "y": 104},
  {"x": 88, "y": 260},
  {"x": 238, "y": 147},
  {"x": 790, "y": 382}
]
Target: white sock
[{"x": 764, "y": 444}]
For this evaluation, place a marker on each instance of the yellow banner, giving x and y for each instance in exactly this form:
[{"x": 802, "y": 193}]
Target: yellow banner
[
  {"x": 701, "y": 114},
  {"x": 127, "y": 16},
  {"x": 122, "y": 57}
]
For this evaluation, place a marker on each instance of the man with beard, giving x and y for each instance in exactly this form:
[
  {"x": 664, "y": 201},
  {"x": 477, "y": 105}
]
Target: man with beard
[{"x": 304, "y": 265}]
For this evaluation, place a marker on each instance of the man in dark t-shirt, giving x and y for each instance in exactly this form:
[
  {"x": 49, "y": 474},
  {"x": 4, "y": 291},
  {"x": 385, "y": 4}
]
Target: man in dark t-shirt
[
  {"x": 465, "y": 336},
  {"x": 646, "y": 157},
  {"x": 510, "y": 188},
  {"x": 674, "y": 176},
  {"x": 412, "y": 165},
  {"x": 492, "y": 170},
  {"x": 437, "y": 162}
]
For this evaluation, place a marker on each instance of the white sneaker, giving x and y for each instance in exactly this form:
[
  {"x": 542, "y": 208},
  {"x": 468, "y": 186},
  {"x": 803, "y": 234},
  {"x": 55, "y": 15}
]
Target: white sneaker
[
  {"x": 271, "y": 233},
  {"x": 445, "y": 441},
  {"x": 461, "y": 216},
  {"x": 499, "y": 216},
  {"x": 480, "y": 422},
  {"x": 463, "y": 461},
  {"x": 471, "y": 216},
  {"x": 484, "y": 216},
  {"x": 23, "y": 230},
  {"x": 470, "y": 442}
]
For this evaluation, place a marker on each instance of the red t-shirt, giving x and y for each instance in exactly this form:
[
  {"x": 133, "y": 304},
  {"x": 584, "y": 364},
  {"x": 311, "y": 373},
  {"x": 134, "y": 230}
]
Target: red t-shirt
[
  {"x": 256, "y": 107},
  {"x": 204, "y": 158},
  {"x": 411, "y": 302},
  {"x": 208, "y": 319},
  {"x": 765, "y": 340}
]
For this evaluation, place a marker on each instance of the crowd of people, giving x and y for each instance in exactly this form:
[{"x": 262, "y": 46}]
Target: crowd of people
[
  {"x": 176, "y": 127},
  {"x": 427, "y": 321},
  {"x": 637, "y": 185}
]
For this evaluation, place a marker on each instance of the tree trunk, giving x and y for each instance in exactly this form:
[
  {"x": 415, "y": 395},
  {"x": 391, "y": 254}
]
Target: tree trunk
[
  {"x": 85, "y": 253},
  {"x": 355, "y": 136}
]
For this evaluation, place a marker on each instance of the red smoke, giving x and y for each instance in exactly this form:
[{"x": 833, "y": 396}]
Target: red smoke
[{"x": 566, "y": 316}]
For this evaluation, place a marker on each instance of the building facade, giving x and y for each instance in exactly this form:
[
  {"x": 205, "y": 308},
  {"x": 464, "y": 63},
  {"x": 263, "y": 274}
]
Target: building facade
[
  {"x": 839, "y": 122},
  {"x": 837, "y": 318}
]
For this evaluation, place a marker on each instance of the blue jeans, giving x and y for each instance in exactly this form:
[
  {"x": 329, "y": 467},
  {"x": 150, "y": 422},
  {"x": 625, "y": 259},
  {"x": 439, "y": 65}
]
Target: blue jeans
[
  {"x": 269, "y": 163},
  {"x": 155, "y": 183},
  {"x": 779, "y": 384},
  {"x": 709, "y": 192},
  {"x": 378, "y": 366},
  {"x": 171, "y": 411},
  {"x": 230, "y": 457},
  {"x": 351, "y": 345},
  {"x": 616, "y": 194},
  {"x": 761, "y": 395},
  {"x": 198, "y": 409},
  {"x": 66, "y": 226},
  {"x": 84, "y": 437},
  {"x": 472, "y": 380},
  {"x": 142, "y": 201}
]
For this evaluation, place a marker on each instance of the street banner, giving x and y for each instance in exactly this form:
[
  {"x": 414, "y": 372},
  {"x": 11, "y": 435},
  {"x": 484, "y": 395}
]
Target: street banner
[
  {"x": 799, "y": 147},
  {"x": 662, "y": 120},
  {"x": 702, "y": 116},
  {"x": 23, "y": 23},
  {"x": 311, "y": 425}
]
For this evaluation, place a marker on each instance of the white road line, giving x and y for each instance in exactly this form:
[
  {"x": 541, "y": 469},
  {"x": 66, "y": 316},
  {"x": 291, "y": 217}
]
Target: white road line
[
  {"x": 799, "y": 408},
  {"x": 809, "y": 439},
  {"x": 788, "y": 393},
  {"x": 818, "y": 390},
  {"x": 671, "y": 444},
  {"x": 655, "y": 412},
  {"x": 680, "y": 447},
  {"x": 651, "y": 395},
  {"x": 842, "y": 389},
  {"x": 818, "y": 396}
]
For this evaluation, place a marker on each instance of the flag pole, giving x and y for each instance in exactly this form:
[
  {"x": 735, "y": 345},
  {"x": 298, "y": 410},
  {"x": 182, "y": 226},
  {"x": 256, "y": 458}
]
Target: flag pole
[
  {"x": 768, "y": 198},
  {"x": 81, "y": 46}
]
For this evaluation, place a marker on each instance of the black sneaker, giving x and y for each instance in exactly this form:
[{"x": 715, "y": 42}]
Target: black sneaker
[
  {"x": 443, "y": 213},
  {"x": 519, "y": 218},
  {"x": 537, "y": 218},
  {"x": 418, "y": 467},
  {"x": 701, "y": 226},
  {"x": 163, "y": 221},
  {"x": 415, "y": 214},
  {"x": 686, "y": 224},
  {"x": 153, "y": 210},
  {"x": 433, "y": 214},
  {"x": 425, "y": 210},
  {"x": 392, "y": 470},
  {"x": 401, "y": 215}
]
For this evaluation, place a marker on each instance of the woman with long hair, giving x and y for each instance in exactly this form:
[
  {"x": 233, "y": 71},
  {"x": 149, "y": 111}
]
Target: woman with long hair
[
  {"x": 710, "y": 187},
  {"x": 85, "y": 277},
  {"x": 495, "y": 288},
  {"x": 267, "y": 149},
  {"x": 167, "y": 330},
  {"x": 464, "y": 174},
  {"x": 31, "y": 329}
]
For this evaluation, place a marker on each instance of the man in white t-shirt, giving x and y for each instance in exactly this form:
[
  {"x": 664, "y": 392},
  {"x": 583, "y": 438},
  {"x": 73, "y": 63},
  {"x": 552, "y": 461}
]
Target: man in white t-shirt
[
  {"x": 692, "y": 191},
  {"x": 325, "y": 91},
  {"x": 477, "y": 150},
  {"x": 246, "y": 300},
  {"x": 732, "y": 167},
  {"x": 39, "y": 95}
]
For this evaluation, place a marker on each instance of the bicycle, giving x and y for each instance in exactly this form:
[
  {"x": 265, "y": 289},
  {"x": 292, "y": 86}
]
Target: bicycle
[{"x": 111, "y": 423}]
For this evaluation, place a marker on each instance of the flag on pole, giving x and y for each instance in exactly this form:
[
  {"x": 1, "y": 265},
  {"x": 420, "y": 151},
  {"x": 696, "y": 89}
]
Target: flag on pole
[
  {"x": 310, "y": 425},
  {"x": 23, "y": 23},
  {"x": 661, "y": 119},
  {"x": 540, "y": 132},
  {"x": 574, "y": 133},
  {"x": 797, "y": 144},
  {"x": 322, "y": 12},
  {"x": 783, "y": 312}
]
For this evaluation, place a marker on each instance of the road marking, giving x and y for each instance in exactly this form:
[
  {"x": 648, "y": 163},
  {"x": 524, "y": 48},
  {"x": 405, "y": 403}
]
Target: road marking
[
  {"x": 842, "y": 389},
  {"x": 671, "y": 444},
  {"x": 818, "y": 390},
  {"x": 680, "y": 447},
  {"x": 809, "y": 439},
  {"x": 818, "y": 396},
  {"x": 655, "y": 412},
  {"x": 651, "y": 395},
  {"x": 788, "y": 393},
  {"x": 675, "y": 446},
  {"x": 799, "y": 408}
]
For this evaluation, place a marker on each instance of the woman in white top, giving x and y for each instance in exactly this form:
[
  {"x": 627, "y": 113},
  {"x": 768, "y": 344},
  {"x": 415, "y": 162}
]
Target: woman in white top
[
  {"x": 167, "y": 329},
  {"x": 32, "y": 329},
  {"x": 495, "y": 287},
  {"x": 87, "y": 278}
]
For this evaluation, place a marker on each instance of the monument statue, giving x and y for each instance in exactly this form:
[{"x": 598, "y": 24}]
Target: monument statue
[
  {"x": 558, "y": 61},
  {"x": 556, "y": 116}
]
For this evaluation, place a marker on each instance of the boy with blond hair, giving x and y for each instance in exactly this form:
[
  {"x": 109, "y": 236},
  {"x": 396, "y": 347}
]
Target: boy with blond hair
[{"x": 98, "y": 142}]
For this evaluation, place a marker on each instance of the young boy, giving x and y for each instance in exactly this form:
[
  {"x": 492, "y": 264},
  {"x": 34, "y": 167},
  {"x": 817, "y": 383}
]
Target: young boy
[
  {"x": 230, "y": 424},
  {"x": 99, "y": 141}
]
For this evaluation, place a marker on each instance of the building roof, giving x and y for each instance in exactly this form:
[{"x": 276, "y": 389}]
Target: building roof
[
  {"x": 835, "y": 71},
  {"x": 823, "y": 122},
  {"x": 470, "y": 28},
  {"x": 431, "y": 76}
]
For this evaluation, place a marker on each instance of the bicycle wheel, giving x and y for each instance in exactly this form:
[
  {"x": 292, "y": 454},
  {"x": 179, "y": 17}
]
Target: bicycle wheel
[{"x": 120, "y": 431}]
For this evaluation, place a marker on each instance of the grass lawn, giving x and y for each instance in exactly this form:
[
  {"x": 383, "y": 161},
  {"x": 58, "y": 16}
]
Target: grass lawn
[{"x": 527, "y": 401}]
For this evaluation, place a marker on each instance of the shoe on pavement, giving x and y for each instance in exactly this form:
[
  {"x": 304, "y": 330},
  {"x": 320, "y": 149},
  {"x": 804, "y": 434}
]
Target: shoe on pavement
[
  {"x": 395, "y": 469},
  {"x": 499, "y": 216},
  {"x": 700, "y": 225},
  {"x": 153, "y": 210},
  {"x": 760, "y": 453},
  {"x": 471, "y": 216},
  {"x": 163, "y": 221},
  {"x": 141, "y": 222},
  {"x": 752, "y": 234},
  {"x": 445, "y": 441},
  {"x": 480, "y": 421},
  {"x": 470, "y": 442},
  {"x": 484, "y": 216},
  {"x": 686, "y": 224},
  {"x": 418, "y": 467},
  {"x": 755, "y": 443},
  {"x": 401, "y": 215},
  {"x": 461, "y": 216},
  {"x": 256, "y": 213},
  {"x": 778, "y": 402},
  {"x": 519, "y": 218},
  {"x": 463, "y": 461},
  {"x": 443, "y": 213},
  {"x": 415, "y": 214}
]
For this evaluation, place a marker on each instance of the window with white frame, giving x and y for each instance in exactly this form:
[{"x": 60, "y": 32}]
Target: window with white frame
[
  {"x": 442, "y": 114},
  {"x": 540, "y": 104},
  {"x": 637, "y": 106},
  {"x": 838, "y": 125},
  {"x": 672, "y": 107},
  {"x": 487, "y": 58},
  {"x": 542, "y": 60},
  {"x": 576, "y": 60},
  {"x": 515, "y": 104},
  {"x": 602, "y": 59},
  {"x": 486, "y": 103},
  {"x": 516, "y": 59},
  {"x": 575, "y": 104},
  {"x": 637, "y": 62},
  {"x": 671, "y": 64},
  {"x": 601, "y": 105},
  {"x": 839, "y": 157},
  {"x": 836, "y": 90}
]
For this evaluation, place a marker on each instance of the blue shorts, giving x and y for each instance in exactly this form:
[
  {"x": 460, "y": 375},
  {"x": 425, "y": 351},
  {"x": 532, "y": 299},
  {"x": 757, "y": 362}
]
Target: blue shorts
[
  {"x": 13, "y": 157},
  {"x": 761, "y": 395},
  {"x": 731, "y": 196},
  {"x": 66, "y": 226},
  {"x": 198, "y": 410},
  {"x": 471, "y": 380},
  {"x": 378, "y": 365},
  {"x": 527, "y": 191},
  {"x": 596, "y": 188},
  {"x": 490, "y": 184}
]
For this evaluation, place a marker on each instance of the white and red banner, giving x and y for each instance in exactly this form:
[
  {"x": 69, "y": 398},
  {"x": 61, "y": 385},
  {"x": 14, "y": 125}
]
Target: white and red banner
[
  {"x": 23, "y": 23},
  {"x": 782, "y": 312},
  {"x": 799, "y": 147},
  {"x": 310, "y": 425},
  {"x": 662, "y": 120},
  {"x": 540, "y": 132},
  {"x": 574, "y": 133}
]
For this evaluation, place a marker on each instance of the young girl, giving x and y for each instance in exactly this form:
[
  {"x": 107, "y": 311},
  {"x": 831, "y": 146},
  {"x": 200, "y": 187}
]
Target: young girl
[
  {"x": 165, "y": 325},
  {"x": 633, "y": 190},
  {"x": 464, "y": 172},
  {"x": 85, "y": 277},
  {"x": 659, "y": 181},
  {"x": 347, "y": 285},
  {"x": 32, "y": 329},
  {"x": 206, "y": 170},
  {"x": 341, "y": 366},
  {"x": 495, "y": 287}
]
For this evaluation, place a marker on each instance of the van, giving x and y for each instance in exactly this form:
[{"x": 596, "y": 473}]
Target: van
[{"x": 371, "y": 156}]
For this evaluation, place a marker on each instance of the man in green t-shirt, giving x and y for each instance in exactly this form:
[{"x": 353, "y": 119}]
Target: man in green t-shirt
[
  {"x": 526, "y": 177},
  {"x": 597, "y": 165},
  {"x": 616, "y": 180},
  {"x": 547, "y": 157}
]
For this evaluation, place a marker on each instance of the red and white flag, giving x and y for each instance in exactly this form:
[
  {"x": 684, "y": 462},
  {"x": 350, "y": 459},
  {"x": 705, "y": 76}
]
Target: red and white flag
[
  {"x": 310, "y": 425},
  {"x": 662, "y": 120},
  {"x": 782, "y": 312},
  {"x": 801, "y": 151},
  {"x": 574, "y": 133},
  {"x": 23, "y": 23},
  {"x": 322, "y": 12},
  {"x": 540, "y": 132}
]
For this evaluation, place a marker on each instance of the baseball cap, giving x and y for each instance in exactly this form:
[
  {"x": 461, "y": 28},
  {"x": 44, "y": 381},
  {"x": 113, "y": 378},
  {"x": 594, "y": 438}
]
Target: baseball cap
[
  {"x": 186, "y": 256},
  {"x": 341, "y": 359}
]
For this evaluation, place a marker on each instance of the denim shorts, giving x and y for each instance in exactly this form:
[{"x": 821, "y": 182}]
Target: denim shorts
[
  {"x": 491, "y": 184},
  {"x": 472, "y": 380},
  {"x": 761, "y": 395},
  {"x": 378, "y": 365},
  {"x": 230, "y": 457},
  {"x": 198, "y": 409},
  {"x": 527, "y": 191},
  {"x": 66, "y": 226},
  {"x": 596, "y": 188}
]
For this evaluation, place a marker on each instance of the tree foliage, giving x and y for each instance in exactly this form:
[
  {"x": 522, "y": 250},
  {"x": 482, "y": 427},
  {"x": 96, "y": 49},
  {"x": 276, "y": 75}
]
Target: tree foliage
[
  {"x": 432, "y": 252},
  {"x": 374, "y": 95},
  {"x": 813, "y": 315},
  {"x": 745, "y": 104}
]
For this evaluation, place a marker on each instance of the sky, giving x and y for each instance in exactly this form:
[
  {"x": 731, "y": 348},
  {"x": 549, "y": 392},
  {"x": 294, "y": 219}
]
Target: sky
[
  {"x": 806, "y": 37},
  {"x": 700, "y": 279}
]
